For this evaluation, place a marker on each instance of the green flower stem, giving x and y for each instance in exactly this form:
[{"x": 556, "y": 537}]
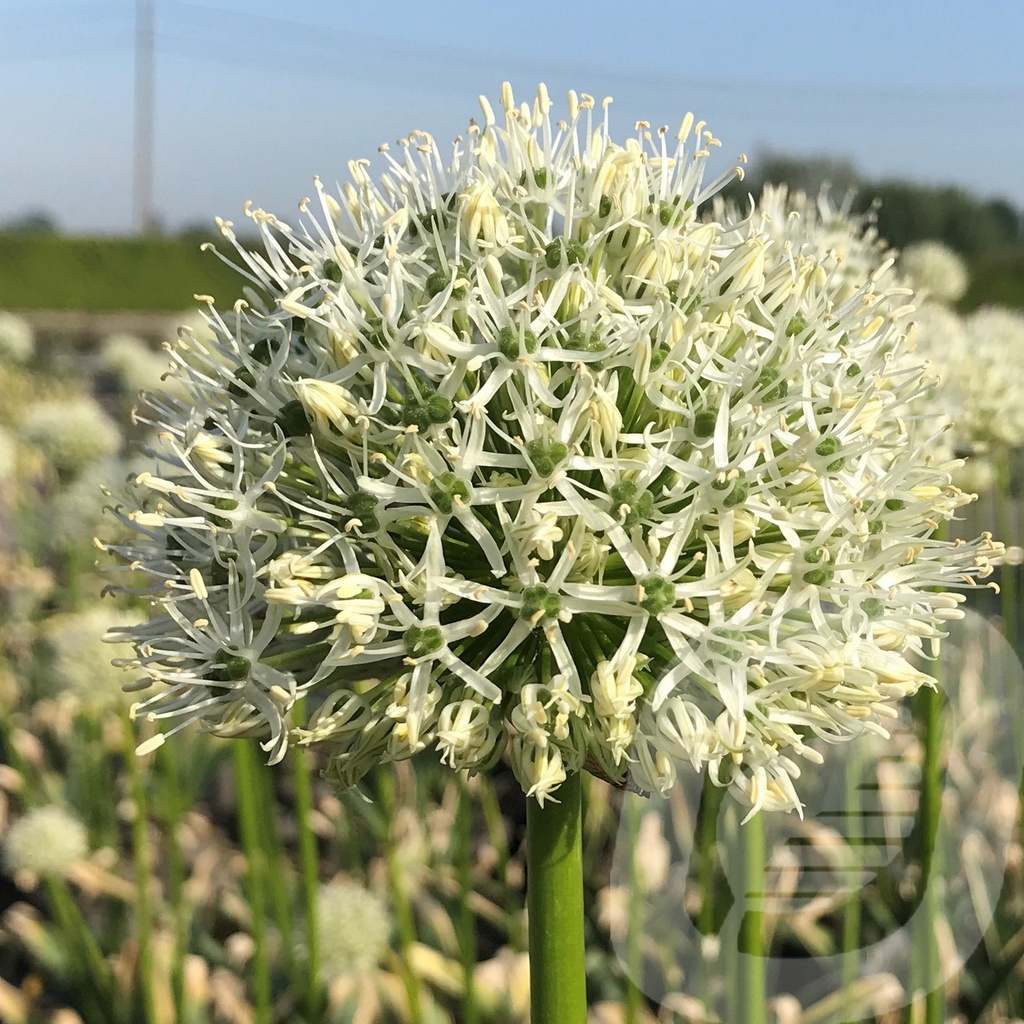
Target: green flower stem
[
  {"x": 931, "y": 810},
  {"x": 466, "y": 923},
  {"x": 278, "y": 867},
  {"x": 704, "y": 852},
  {"x": 928, "y": 713},
  {"x": 98, "y": 987},
  {"x": 400, "y": 899},
  {"x": 247, "y": 784},
  {"x": 751, "y": 939},
  {"x": 852, "y": 909},
  {"x": 310, "y": 878},
  {"x": 172, "y": 802},
  {"x": 634, "y": 953},
  {"x": 554, "y": 894},
  {"x": 143, "y": 874}
]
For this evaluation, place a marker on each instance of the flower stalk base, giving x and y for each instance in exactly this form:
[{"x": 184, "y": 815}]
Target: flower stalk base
[{"x": 558, "y": 992}]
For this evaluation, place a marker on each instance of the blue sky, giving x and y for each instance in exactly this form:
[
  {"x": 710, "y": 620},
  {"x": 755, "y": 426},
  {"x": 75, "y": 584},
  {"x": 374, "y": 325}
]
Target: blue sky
[{"x": 254, "y": 97}]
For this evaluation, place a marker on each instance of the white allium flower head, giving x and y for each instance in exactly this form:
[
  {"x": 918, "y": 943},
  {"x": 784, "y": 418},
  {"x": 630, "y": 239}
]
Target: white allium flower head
[
  {"x": 82, "y": 662},
  {"x": 980, "y": 360},
  {"x": 520, "y": 446},
  {"x": 45, "y": 841},
  {"x": 72, "y": 434},
  {"x": 353, "y": 927},
  {"x": 133, "y": 362},
  {"x": 17, "y": 339},
  {"x": 935, "y": 270}
]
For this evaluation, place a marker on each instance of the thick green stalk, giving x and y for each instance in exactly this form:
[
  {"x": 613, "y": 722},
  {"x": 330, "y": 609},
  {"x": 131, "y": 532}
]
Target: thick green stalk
[
  {"x": 634, "y": 997},
  {"x": 171, "y": 802},
  {"x": 310, "y": 878},
  {"x": 466, "y": 923},
  {"x": 931, "y": 811},
  {"x": 400, "y": 899},
  {"x": 852, "y": 909},
  {"x": 751, "y": 939},
  {"x": 554, "y": 896},
  {"x": 247, "y": 783},
  {"x": 143, "y": 875}
]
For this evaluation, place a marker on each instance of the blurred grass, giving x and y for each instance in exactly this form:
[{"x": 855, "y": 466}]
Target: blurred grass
[{"x": 103, "y": 274}]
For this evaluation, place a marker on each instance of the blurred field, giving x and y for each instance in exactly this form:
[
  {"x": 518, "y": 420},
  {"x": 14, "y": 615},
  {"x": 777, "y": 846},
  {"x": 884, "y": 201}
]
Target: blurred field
[{"x": 56, "y": 272}]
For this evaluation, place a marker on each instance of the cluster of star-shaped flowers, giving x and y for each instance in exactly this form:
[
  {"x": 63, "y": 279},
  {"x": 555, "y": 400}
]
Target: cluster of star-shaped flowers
[
  {"x": 519, "y": 452},
  {"x": 979, "y": 359}
]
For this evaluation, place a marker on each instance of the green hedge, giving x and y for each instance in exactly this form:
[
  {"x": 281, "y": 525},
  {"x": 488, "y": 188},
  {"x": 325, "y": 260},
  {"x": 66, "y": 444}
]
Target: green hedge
[{"x": 100, "y": 274}]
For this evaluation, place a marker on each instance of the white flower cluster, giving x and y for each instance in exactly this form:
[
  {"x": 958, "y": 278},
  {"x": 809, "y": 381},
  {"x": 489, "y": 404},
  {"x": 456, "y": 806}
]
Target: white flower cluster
[
  {"x": 71, "y": 433},
  {"x": 353, "y": 927},
  {"x": 519, "y": 451},
  {"x": 979, "y": 358},
  {"x": 17, "y": 339},
  {"x": 935, "y": 270},
  {"x": 81, "y": 661},
  {"x": 46, "y": 841},
  {"x": 133, "y": 362}
]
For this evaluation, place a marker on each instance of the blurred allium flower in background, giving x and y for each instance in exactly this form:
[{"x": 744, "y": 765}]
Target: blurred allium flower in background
[
  {"x": 353, "y": 928},
  {"x": 980, "y": 360},
  {"x": 81, "y": 661},
  {"x": 46, "y": 841},
  {"x": 72, "y": 434},
  {"x": 520, "y": 450},
  {"x": 133, "y": 362},
  {"x": 795, "y": 220},
  {"x": 17, "y": 339},
  {"x": 935, "y": 271}
]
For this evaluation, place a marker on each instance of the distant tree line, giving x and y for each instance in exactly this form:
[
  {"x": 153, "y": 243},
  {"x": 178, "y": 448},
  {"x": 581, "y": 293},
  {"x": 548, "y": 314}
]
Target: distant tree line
[{"x": 987, "y": 233}]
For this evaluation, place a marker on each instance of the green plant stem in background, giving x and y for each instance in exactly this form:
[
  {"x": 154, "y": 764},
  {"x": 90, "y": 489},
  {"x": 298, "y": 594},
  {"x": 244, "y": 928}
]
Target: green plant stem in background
[
  {"x": 554, "y": 895},
  {"x": 400, "y": 900},
  {"x": 97, "y": 989},
  {"x": 247, "y": 785},
  {"x": 928, "y": 712},
  {"x": 310, "y": 878},
  {"x": 143, "y": 874}
]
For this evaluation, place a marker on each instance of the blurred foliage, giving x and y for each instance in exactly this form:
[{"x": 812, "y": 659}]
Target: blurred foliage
[
  {"x": 45, "y": 270},
  {"x": 987, "y": 233}
]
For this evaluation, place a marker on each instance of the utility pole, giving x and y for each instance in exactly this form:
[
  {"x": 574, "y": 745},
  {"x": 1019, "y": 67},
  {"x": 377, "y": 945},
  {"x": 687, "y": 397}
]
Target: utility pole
[{"x": 142, "y": 164}]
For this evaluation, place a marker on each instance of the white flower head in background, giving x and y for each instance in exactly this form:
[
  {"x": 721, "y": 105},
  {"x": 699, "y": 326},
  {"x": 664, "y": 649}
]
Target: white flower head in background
[
  {"x": 45, "y": 841},
  {"x": 521, "y": 451},
  {"x": 353, "y": 927},
  {"x": 82, "y": 665},
  {"x": 935, "y": 270},
  {"x": 133, "y": 362},
  {"x": 72, "y": 434},
  {"x": 979, "y": 358},
  {"x": 17, "y": 339}
]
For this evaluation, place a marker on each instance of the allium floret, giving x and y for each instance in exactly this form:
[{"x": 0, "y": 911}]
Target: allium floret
[
  {"x": 45, "y": 841},
  {"x": 532, "y": 449}
]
